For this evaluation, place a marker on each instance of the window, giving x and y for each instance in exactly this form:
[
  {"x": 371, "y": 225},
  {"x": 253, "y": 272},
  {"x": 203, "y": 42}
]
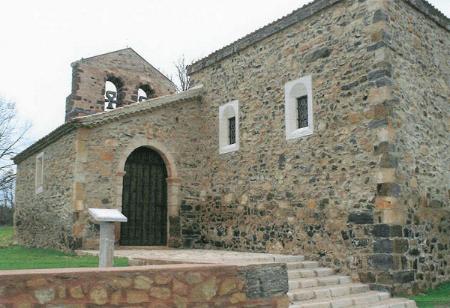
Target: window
[
  {"x": 229, "y": 127},
  {"x": 302, "y": 111},
  {"x": 232, "y": 130},
  {"x": 39, "y": 176},
  {"x": 298, "y": 108}
]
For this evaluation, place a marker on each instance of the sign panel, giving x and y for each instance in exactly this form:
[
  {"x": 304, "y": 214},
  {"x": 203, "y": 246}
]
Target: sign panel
[{"x": 107, "y": 215}]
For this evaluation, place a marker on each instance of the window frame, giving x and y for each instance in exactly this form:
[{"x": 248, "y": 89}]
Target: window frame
[
  {"x": 227, "y": 111},
  {"x": 39, "y": 185},
  {"x": 293, "y": 90}
]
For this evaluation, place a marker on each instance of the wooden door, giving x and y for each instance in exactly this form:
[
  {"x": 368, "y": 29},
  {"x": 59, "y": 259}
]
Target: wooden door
[{"x": 144, "y": 199}]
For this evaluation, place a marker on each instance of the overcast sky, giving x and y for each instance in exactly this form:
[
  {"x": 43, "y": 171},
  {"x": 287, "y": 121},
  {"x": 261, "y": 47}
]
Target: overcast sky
[{"x": 39, "y": 40}]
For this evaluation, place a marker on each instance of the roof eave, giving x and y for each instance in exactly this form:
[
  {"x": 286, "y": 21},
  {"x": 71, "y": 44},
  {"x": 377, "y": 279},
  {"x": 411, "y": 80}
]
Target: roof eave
[
  {"x": 94, "y": 120},
  {"x": 298, "y": 15}
]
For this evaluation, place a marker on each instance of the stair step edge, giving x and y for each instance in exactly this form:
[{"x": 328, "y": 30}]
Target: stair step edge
[{"x": 352, "y": 297}]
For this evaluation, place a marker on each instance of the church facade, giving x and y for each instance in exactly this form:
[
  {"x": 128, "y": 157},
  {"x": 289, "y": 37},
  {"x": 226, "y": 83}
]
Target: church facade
[{"x": 324, "y": 133}]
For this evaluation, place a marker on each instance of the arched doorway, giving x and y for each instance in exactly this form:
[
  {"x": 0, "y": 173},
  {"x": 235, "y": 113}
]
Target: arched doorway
[{"x": 144, "y": 199}]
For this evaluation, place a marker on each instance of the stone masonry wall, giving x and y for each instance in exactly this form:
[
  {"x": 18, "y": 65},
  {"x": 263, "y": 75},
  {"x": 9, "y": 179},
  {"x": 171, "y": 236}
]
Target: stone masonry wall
[
  {"x": 45, "y": 219},
  {"x": 313, "y": 195},
  {"x": 412, "y": 252},
  {"x": 152, "y": 286},
  {"x": 103, "y": 148},
  {"x": 332, "y": 195},
  {"x": 89, "y": 77}
]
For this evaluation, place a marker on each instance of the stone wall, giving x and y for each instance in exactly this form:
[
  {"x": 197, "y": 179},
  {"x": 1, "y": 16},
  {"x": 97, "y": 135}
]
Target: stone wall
[
  {"x": 173, "y": 131},
  {"x": 348, "y": 194},
  {"x": 45, "y": 219},
  {"x": 313, "y": 195},
  {"x": 412, "y": 252},
  {"x": 159, "y": 286},
  {"x": 126, "y": 66}
]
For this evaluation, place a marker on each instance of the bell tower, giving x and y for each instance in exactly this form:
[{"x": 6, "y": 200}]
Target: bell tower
[{"x": 113, "y": 80}]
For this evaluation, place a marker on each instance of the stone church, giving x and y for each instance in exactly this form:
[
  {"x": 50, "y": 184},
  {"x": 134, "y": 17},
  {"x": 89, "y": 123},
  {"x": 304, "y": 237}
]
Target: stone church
[{"x": 324, "y": 133}]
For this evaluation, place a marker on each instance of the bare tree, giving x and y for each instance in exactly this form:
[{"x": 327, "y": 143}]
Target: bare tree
[
  {"x": 11, "y": 134},
  {"x": 7, "y": 204},
  {"x": 183, "y": 80}
]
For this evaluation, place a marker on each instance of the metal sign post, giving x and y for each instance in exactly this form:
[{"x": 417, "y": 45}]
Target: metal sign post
[{"x": 106, "y": 218}]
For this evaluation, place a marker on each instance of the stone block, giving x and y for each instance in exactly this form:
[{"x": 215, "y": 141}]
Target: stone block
[
  {"x": 98, "y": 295},
  {"x": 393, "y": 215},
  {"x": 76, "y": 292},
  {"x": 205, "y": 290},
  {"x": 318, "y": 53},
  {"x": 381, "y": 262},
  {"x": 388, "y": 160},
  {"x": 385, "y": 175},
  {"x": 44, "y": 295},
  {"x": 116, "y": 298},
  {"x": 388, "y": 189},
  {"x": 180, "y": 288},
  {"x": 403, "y": 276},
  {"x": 360, "y": 218},
  {"x": 367, "y": 277},
  {"x": 137, "y": 297},
  {"x": 36, "y": 283},
  {"x": 379, "y": 95},
  {"x": 162, "y": 279},
  {"x": 400, "y": 245},
  {"x": 193, "y": 278},
  {"x": 383, "y": 246},
  {"x": 160, "y": 292},
  {"x": 227, "y": 285},
  {"x": 143, "y": 282},
  {"x": 386, "y": 230},
  {"x": 264, "y": 281},
  {"x": 238, "y": 298}
]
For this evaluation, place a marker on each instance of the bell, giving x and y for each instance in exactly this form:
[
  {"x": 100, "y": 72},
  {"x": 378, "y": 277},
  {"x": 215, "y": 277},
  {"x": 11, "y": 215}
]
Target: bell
[{"x": 110, "y": 98}]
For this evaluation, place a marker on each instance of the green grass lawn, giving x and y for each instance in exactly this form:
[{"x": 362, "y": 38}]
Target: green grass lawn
[
  {"x": 438, "y": 297},
  {"x": 17, "y": 257}
]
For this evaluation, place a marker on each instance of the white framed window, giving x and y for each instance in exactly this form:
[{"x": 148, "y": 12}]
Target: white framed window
[
  {"x": 229, "y": 127},
  {"x": 39, "y": 175},
  {"x": 298, "y": 109}
]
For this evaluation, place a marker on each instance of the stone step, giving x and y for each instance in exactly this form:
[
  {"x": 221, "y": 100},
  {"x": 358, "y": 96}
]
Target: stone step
[
  {"x": 352, "y": 300},
  {"x": 395, "y": 303},
  {"x": 310, "y": 272},
  {"x": 300, "y": 283},
  {"x": 326, "y": 292},
  {"x": 303, "y": 264}
]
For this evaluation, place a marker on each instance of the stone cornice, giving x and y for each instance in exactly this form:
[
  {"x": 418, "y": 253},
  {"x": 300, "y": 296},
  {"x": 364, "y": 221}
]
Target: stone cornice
[
  {"x": 107, "y": 117},
  {"x": 296, "y": 16}
]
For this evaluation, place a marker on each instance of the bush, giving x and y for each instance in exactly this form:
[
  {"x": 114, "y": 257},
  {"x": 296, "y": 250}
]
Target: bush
[{"x": 6, "y": 216}]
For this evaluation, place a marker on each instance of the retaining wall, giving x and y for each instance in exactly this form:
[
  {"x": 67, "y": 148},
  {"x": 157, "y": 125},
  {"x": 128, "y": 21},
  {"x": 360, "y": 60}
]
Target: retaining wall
[{"x": 177, "y": 285}]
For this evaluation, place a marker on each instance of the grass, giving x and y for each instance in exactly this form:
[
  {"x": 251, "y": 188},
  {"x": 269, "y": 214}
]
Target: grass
[
  {"x": 17, "y": 257},
  {"x": 434, "y": 298}
]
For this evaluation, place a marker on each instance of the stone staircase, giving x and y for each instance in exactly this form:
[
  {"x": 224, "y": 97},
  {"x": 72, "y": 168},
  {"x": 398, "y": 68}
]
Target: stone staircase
[{"x": 312, "y": 286}]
